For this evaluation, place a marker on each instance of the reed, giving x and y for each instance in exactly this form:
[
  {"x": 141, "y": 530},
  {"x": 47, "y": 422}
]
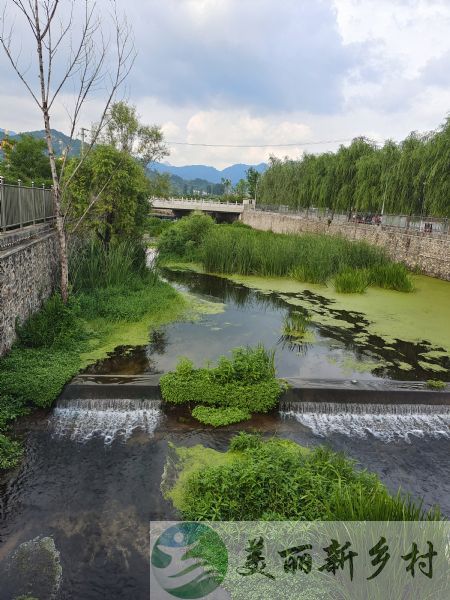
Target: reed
[
  {"x": 295, "y": 325},
  {"x": 352, "y": 281},
  {"x": 391, "y": 276}
]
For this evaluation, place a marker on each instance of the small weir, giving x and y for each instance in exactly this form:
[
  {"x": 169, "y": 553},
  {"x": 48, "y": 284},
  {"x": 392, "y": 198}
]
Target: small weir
[
  {"x": 111, "y": 418},
  {"x": 387, "y": 422}
]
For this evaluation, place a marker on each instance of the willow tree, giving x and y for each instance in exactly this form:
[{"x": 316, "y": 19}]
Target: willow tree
[{"x": 74, "y": 51}]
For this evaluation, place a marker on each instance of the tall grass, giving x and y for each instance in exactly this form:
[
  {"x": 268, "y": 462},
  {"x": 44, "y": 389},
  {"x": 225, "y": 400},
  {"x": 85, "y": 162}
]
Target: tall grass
[
  {"x": 352, "y": 281},
  {"x": 308, "y": 258},
  {"x": 295, "y": 325},
  {"x": 92, "y": 266}
]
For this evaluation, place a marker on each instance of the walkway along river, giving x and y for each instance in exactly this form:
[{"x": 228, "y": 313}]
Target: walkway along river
[{"x": 93, "y": 469}]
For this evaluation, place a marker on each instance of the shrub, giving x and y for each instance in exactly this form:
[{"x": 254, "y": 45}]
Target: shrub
[
  {"x": 246, "y": 382},
  {"x": 391, "y": 276},
  {"x": 155, "y": 226},
  {"x": 351, "y": 281},
  {"x": 218, "y": 417},
  {"x": 279, "y": 477},
  {"x": 185, "y": 236},
  {"x": 436, "y": 384}
]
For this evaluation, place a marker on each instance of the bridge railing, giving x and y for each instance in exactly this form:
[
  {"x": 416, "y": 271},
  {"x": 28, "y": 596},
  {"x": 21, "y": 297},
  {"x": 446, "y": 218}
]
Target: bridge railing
[
  {"x": 21, "y": 206},
  {"x": 192, "y": 201}
]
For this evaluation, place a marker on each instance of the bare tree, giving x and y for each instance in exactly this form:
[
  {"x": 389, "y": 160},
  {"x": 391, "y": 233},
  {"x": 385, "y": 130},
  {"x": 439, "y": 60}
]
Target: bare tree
[{"x": 72, "y": 54}]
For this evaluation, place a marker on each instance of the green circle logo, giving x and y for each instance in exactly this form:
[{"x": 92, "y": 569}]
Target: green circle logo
[{"x": 189, "y": 560}]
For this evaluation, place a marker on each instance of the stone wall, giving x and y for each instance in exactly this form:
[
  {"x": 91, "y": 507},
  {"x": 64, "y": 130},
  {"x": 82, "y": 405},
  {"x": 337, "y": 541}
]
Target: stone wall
[
  {"x": 28, "y": 275},
  {"x": 430, "y": 254}
]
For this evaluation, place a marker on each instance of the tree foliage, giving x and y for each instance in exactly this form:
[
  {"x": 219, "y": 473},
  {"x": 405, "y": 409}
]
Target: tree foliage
[
  {"x": 26, "y": 159},
  {"x": 112, "y": 186},
  {"x": 410, "y": 178},
  {"x": 126, "y": 133}
]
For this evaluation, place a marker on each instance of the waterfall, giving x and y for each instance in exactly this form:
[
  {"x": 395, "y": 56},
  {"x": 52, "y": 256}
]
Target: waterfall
[
  {"x": 387, "y": 422},
  {"x": 83, "y": 419}
]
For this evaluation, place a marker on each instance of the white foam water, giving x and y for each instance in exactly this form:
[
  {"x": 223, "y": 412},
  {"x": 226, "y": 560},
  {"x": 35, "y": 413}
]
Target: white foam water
[
  {"x": 82, "y": 420},
  {"x": 387, "y": 422}
]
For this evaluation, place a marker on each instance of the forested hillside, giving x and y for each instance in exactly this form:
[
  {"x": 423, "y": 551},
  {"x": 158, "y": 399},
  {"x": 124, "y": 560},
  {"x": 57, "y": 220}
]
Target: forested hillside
[{"x": 411, "y": 177}]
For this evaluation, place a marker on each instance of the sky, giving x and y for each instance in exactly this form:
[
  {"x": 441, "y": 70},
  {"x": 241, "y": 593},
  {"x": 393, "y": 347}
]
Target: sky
[{"x": 266, "y": 72}]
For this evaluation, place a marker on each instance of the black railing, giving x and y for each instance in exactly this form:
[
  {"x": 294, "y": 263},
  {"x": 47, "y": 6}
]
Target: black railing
[{"x": 21, "y": 206}]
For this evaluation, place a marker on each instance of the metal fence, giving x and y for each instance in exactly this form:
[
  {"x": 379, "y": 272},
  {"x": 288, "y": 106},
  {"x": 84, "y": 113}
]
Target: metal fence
[
  {"x": 21, "y": 206},
  {"x": 418, "y": 224}
]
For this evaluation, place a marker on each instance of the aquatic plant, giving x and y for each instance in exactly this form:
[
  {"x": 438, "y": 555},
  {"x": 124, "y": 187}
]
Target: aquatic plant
[
  {"x": 391, "y": 276},
  {"x": 279, "y": 480},
  {"x": 246, "y": 382},
  {"x": 352, "y": 281},
  {"x": 10, "y": 452},
  {"x": 436, "y": 384},
  {"x": 219, "y": 417},
  {"x": 295, "y": 324}
]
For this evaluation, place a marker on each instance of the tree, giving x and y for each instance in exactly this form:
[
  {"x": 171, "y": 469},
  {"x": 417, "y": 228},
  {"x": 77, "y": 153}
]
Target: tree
[
  {"x": 70, "y": 54},
  {"x": 113, "y": 188},
  {"x": 226, "y": 185},
  {"x": 25, "y": 159},
  {"x": 125, "y": 132},
  {"x": 252, "y": 181},
  {"x": 160, "y": 185},
  {"x": 241, "y": 189}
]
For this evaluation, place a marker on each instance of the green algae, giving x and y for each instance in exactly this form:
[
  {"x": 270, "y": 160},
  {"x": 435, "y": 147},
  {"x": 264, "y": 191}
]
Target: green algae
[
  {"x": 431, "y": 367},
  {"x": 419, "y": 316},
  {"x": 361, "y": 366},
  {"x": 403, "y": 366}
]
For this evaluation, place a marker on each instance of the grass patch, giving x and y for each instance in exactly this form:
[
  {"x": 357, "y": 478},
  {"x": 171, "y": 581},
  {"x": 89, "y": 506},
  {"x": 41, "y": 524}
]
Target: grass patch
[
  {"x": 219, "y": 417},
  {"x": 436, "y": 384},
  {"x": 310, "y": 258},
  {"x": 391, "y": 276},
  {"x": 351, "y": 281},
  {"x": 280, "y": 480},
  {"x": 244, "y": 383}
]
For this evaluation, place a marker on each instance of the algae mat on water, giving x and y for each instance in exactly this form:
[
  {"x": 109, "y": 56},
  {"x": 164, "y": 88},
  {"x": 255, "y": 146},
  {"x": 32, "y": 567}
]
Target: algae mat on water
[{"x": 421, "y": 315}]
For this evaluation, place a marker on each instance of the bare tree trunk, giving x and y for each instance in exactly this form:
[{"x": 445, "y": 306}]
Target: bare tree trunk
[{"x": 61, "y": 233}]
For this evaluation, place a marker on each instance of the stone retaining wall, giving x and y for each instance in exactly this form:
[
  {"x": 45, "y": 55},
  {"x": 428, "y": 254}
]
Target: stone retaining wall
[
  {"x": 28, "y": 276},
  {"x": 430, "y": 254}
]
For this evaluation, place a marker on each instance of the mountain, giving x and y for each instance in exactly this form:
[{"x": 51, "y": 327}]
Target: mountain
[
  {"x": 211, "y": 174},
  {"x": 60, "y": 140}
]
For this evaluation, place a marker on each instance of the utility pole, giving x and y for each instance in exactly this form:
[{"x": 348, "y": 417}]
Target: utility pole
[{"x": 83, "y": 130}]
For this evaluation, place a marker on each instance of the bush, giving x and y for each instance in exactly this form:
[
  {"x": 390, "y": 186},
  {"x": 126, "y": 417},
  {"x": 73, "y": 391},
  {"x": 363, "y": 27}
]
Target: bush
[
  {"x": 246, "y": 382},
  {"x": 155, "y": 226},
  {"x": 185, "y": 236},
  {"x": 351, "y": 281},
  {"x": 218, "y": 417},
  {"x": 436, "y": 384},
  {"x": 279, "y": 477}
]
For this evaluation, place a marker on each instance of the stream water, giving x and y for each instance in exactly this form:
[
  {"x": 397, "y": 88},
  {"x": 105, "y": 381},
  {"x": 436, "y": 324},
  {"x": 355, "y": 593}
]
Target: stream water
[{"x": 92, "y": 473}]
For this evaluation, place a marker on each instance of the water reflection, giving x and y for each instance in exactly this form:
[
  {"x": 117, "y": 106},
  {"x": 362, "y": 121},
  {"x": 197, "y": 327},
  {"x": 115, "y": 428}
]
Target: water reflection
[{"x": 337, "y": 344}]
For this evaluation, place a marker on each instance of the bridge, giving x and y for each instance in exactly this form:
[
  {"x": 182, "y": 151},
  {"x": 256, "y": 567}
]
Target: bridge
[{"x": 220, "y": 210}]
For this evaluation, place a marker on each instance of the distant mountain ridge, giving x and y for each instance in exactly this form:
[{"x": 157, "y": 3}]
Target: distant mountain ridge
[
  {"x": 191, "y": 172},
  {"x": 60, "y": 140}
]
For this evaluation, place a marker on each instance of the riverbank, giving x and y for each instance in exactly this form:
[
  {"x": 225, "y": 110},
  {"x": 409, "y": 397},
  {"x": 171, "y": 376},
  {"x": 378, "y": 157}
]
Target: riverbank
[{"x": 38, "y": 366}]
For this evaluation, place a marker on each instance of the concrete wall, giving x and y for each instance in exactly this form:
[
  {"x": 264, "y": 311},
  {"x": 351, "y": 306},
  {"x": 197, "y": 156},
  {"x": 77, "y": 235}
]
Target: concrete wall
[
  {"x": 28, "y": 275},
  {"x": 428, "y": 253}
]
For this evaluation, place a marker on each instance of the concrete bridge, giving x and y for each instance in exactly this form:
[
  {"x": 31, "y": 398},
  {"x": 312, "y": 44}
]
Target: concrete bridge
[{"x": 222, "y": 211}]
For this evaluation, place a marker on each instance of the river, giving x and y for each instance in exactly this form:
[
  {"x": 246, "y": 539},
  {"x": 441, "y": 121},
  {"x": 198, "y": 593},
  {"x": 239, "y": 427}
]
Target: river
[{"x": 93, "y": 468}]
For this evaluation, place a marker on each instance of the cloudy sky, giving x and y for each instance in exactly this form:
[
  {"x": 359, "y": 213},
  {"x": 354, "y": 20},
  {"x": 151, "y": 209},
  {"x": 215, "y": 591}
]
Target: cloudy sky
[{"x": 255, "y": 72}]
